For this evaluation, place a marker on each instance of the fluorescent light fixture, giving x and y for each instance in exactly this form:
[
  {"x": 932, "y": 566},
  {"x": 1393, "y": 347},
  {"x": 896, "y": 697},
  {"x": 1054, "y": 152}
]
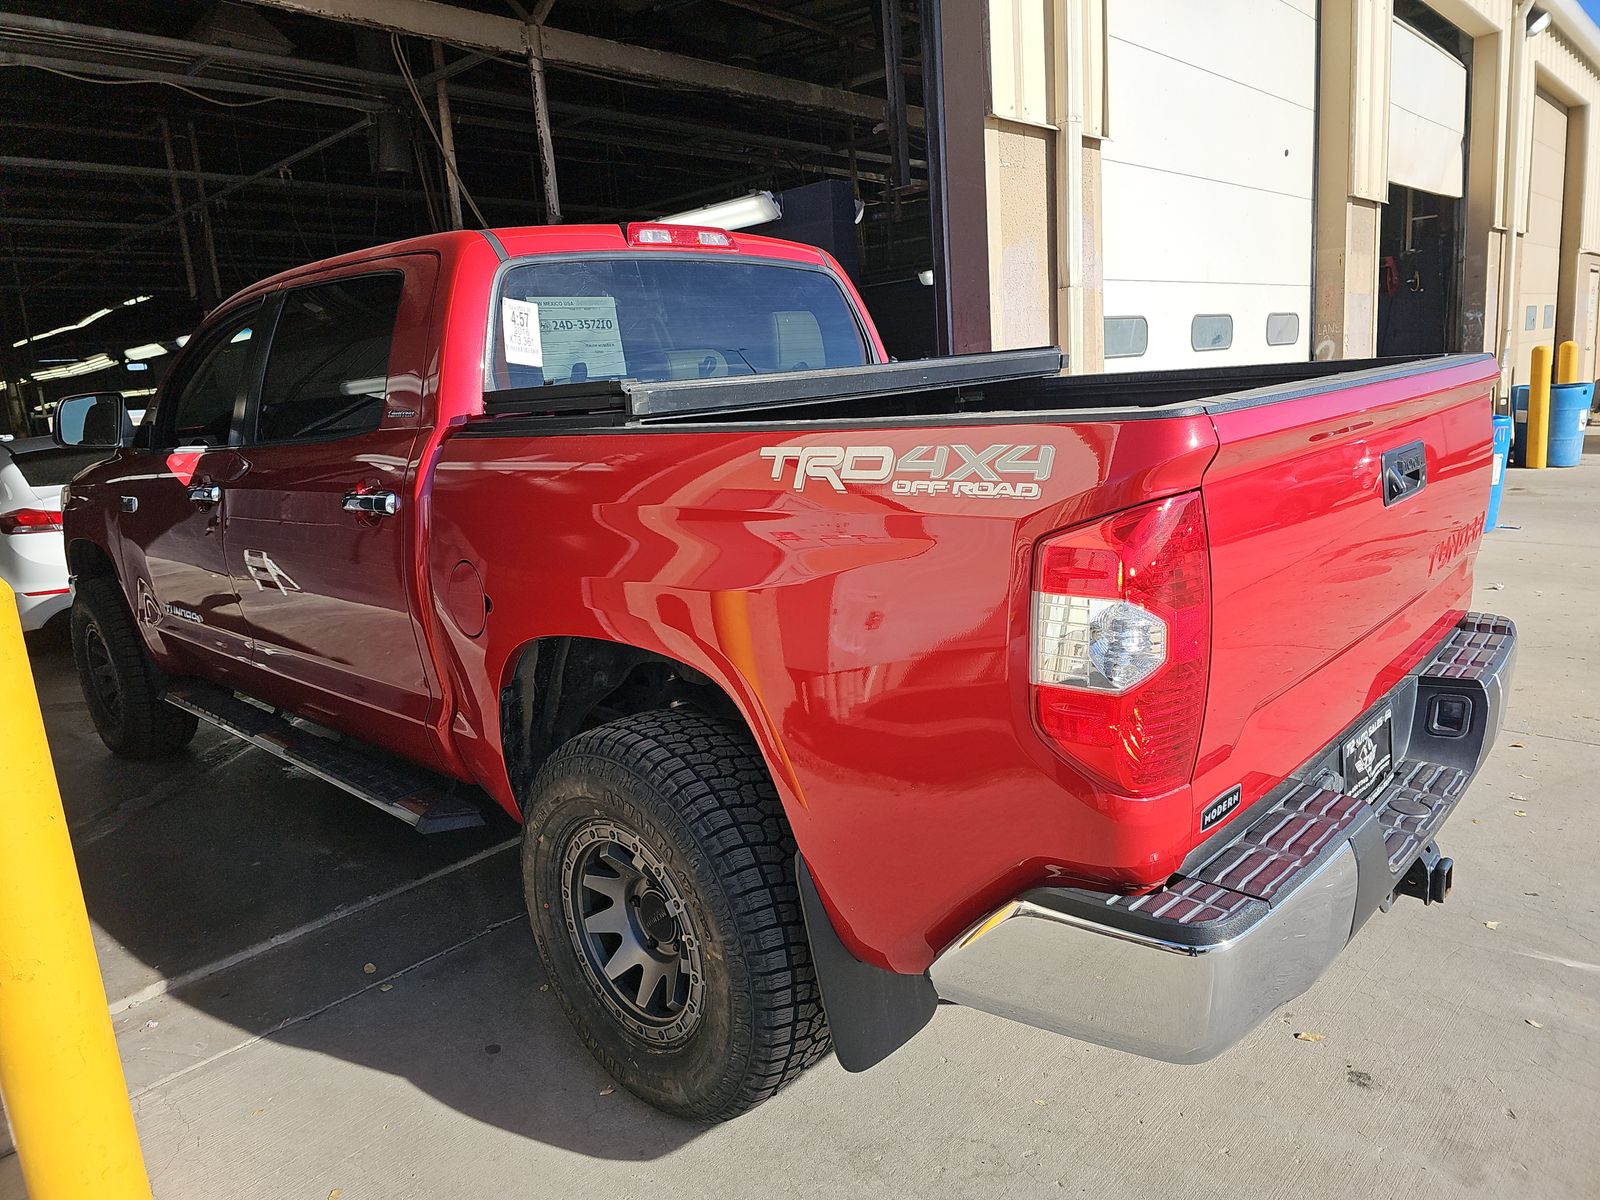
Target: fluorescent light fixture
[
  {"x": 86, "y": 366},
  {"x": 755, "y": 209},
  {"x": 89, "y": 320},
  {"x": 136, "y": 366},
  {"x": 182, "y": 340},
  {"x": 925, "y": 278},
  {"x": 148, "y": 350},
  {"x": 126, "y": 392},
  {"x": 1538, "y": 21}
]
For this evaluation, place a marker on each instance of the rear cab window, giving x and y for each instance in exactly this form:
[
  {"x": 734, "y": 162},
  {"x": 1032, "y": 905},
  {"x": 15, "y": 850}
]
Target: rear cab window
[{"x": 660, "y": 317}]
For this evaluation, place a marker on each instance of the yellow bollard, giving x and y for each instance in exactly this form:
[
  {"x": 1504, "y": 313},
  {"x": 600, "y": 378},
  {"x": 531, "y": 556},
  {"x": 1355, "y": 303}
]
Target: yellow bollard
[
  {"x": 1538, "y": 448},
  {"x": 59, "y": 1071},
  {"x": 1567, "y": 362}
]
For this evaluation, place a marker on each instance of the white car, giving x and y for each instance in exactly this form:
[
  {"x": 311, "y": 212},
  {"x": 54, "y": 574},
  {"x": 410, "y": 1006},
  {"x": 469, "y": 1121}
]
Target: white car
[{"x": 32, "y": 557}]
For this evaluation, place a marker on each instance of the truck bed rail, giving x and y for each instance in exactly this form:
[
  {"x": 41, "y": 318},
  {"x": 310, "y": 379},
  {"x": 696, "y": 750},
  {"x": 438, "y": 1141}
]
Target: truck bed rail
[{"x": 622, "y": 401}]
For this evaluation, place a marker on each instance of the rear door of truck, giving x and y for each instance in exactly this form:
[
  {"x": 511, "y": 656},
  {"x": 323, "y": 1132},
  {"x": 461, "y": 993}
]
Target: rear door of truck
[{"x": 1344, "y": 516}]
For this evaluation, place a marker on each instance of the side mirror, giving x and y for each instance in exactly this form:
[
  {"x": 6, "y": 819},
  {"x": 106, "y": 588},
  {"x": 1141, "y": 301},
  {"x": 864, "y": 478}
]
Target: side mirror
[{"x": 97, "y": 420}]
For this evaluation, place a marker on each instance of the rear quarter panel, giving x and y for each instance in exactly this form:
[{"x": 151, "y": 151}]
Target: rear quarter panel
[{"x": 875, "y": 643}]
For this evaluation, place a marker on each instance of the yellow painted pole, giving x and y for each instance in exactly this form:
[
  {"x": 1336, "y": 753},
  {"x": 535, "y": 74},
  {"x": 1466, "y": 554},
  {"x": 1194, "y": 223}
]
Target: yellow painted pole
[
  {"x": 1567, "y": 362},
  {"x": 59, "y": 1073},
  {"x": 1538, "y": 449}
]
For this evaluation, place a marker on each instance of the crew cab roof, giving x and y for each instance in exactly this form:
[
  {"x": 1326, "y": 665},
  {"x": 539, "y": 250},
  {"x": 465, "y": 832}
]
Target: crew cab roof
[{"x": 525, "y": 240}]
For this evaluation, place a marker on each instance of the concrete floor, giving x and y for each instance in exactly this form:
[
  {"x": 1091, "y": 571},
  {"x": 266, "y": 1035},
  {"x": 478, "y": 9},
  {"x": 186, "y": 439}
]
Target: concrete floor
[{"x": 238, "y": 904}]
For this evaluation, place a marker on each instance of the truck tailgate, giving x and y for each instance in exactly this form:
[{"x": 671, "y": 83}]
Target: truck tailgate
[{"x": 1330, "y": 581}]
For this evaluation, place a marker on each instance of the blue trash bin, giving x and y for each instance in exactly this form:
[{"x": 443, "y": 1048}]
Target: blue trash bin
[
  {"x": 1569, "y": 412},
  {"x": 1502, "y": 448},
  {"x": 1519, "y": 417}
]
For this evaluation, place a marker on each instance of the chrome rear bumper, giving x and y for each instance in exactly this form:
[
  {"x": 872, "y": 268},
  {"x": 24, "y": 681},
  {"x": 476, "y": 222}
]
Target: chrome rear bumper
[
  {"x": 1037, "y": 962},
  {"x": 1183, "y": 973}
]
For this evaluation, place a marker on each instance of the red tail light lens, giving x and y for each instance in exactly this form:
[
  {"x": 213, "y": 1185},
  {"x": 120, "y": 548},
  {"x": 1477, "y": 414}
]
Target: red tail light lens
[
  {"x": 30, "y": 520},
  {"x": 1122, "y": 643}
]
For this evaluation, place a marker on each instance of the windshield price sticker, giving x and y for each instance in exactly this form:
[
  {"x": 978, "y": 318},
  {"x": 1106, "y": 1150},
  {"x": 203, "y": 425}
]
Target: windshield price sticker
[
  {"x": 580, "y": 336},
  {"x": 519, "y": 322}
]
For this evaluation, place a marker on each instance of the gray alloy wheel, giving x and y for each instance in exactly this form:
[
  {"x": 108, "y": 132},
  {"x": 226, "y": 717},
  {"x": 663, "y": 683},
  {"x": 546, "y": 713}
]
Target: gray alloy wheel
[
  {"x": 632, "y": 932},
  {"x": 660, "y": 878}
]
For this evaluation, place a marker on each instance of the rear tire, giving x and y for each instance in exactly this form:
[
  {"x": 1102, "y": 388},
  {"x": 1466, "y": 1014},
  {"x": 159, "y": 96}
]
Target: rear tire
[
  {"x": 120, "y": 682},
  {"x": 656, "y": 846}
]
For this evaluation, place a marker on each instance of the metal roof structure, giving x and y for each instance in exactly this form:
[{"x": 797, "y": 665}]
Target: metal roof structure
[{"x": 183, "y": 149}]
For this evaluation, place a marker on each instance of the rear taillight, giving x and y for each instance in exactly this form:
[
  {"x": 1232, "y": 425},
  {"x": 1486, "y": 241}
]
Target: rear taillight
[
  {"x": 30, "y": 520},
  {"x": 1122, "y": 643}
]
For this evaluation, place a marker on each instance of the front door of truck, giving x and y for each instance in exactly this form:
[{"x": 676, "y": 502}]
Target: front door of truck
[
  {"x": 170, "y": 501},
  {"x": 320, "y": 521}
]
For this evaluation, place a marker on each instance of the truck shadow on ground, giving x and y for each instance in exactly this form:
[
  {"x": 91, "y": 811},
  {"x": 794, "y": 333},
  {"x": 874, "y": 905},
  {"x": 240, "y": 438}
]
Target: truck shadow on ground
[{"x": 338, "y": 930}]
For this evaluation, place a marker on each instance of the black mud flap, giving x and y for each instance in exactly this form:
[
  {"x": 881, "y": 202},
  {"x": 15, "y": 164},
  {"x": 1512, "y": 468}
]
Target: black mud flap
[{"x": 871, "y": 1012}]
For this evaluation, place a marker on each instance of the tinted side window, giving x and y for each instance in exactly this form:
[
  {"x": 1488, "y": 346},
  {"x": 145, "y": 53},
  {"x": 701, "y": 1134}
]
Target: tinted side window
[
  {"x": 202, "y": 410},
  {"x": 328, "y": 366}
]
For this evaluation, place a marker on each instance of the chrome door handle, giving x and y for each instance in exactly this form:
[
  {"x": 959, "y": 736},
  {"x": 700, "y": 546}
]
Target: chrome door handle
[
  {"x": 375, "y": 504},
  {"x": 205, "y": 493}
]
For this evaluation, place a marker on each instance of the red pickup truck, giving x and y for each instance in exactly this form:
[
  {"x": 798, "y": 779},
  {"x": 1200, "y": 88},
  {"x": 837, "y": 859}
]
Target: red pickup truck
[{"x": 827, "y": 688}]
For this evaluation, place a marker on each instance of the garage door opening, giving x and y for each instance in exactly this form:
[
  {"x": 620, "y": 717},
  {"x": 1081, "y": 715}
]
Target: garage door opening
[
  {"x": 1418, "y": 273},
  {"x": 1539, "y": 263}
]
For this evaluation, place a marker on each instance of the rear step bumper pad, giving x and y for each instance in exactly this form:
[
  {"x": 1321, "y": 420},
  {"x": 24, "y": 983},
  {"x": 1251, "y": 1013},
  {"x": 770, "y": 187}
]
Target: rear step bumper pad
[{"x": 1184, "y": 972}]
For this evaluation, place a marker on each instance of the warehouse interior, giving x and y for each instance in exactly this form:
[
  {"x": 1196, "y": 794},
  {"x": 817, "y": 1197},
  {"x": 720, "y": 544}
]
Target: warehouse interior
[{"x": 164, "y": 154}]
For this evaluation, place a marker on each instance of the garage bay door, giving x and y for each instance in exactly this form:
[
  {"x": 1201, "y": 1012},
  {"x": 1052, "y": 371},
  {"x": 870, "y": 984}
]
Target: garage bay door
[
  {"x": 1207, "y": 184},
  {"x": 1541, "y": 245}
]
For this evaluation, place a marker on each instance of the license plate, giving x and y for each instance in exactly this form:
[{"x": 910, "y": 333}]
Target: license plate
[{"x": 1368, "y": 757}]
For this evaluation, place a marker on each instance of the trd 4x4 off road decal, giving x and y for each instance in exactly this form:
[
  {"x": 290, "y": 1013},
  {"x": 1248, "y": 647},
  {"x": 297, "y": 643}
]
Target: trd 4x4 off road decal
[{"x": 1014, "y": 472}]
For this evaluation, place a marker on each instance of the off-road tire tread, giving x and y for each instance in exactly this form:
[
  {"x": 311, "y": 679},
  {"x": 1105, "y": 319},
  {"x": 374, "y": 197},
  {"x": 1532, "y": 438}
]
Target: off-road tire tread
[
  {"x": 151, "y": 728},
  {"x": 709, "y": 770}
]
